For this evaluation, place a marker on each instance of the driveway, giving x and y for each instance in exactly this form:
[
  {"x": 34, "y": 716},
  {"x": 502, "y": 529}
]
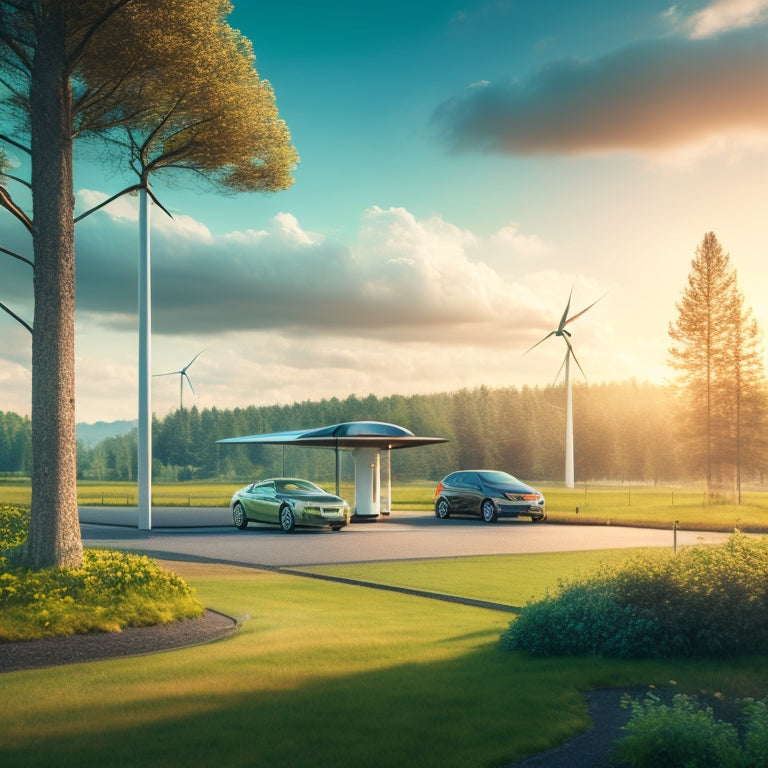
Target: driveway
[{"x": 207, "y": 535}]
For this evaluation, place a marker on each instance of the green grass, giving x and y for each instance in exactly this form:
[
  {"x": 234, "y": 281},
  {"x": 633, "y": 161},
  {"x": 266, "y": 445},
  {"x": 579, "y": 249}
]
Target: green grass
[
  {"x": 328, "y": 674},
  {"x": 645, "y": 506},
  {"x": 506, "y": 579}
]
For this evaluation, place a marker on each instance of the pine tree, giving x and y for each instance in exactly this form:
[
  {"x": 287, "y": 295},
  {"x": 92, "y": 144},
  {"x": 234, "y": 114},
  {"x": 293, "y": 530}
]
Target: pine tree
[{"x": 720, "y": 383}]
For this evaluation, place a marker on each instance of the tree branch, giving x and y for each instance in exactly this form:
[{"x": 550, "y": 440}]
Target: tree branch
[
  {"x": 16, "y": 317},
  {"x": 16, "y": 256},
  {"x": 8, "y": 140},
  {"x": 77, "y": 52},
  {"x": 7, "y": 202}
]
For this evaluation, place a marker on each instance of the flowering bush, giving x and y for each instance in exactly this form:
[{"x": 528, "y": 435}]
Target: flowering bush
[
  {"x": 14, "y": 525},
  {"x": 703, "y": 601},
  {"x": 112, "y": 590}
]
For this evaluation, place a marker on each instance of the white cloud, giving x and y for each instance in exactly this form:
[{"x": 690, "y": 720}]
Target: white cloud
[
  {"x": 509, "y": 237},
  {"x": 724, "y": 15},
  {"x": 425, "y": 279},
  {"x": 412, "y": 305}
]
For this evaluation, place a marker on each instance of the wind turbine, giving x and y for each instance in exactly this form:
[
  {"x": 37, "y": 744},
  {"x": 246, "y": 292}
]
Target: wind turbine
[
  {"x": 569, "y": 353},
  {"x": 183, "y": 375}
]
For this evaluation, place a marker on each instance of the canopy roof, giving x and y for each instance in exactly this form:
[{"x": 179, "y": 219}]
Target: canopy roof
[{"x": 350, "y": 434}]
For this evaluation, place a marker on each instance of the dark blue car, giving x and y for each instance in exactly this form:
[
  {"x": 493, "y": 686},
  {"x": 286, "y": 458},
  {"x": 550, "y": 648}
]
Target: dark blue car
[{"x": 488, "y": 494}]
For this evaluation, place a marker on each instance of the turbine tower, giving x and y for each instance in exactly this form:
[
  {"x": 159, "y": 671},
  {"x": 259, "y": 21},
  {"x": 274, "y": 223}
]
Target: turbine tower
[
  {"x": 183, "y": 375},
  {"x": 569, "y": 353}
]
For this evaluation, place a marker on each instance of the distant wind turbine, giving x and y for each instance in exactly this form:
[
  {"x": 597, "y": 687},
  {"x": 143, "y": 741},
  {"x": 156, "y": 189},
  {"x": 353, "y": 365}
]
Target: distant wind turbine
[
  {"x": 183, "y": 375},
  {"x": 569, "y": 353}
]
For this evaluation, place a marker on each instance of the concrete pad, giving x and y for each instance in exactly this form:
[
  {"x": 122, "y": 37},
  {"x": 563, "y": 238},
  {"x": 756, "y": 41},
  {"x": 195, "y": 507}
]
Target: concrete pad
[{"x": 162, "y": 517}]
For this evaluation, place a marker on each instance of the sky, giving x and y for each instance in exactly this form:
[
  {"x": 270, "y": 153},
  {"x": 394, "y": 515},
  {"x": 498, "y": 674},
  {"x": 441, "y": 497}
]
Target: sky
[{"x": 465, "y": 166}]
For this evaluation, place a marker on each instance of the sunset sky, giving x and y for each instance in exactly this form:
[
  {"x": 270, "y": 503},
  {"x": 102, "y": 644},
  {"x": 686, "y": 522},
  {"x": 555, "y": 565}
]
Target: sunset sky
[{"x": 464, "y": 165}]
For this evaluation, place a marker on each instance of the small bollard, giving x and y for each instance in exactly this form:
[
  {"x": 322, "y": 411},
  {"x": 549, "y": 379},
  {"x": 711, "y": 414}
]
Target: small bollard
[{"x": 577, "y": 510}]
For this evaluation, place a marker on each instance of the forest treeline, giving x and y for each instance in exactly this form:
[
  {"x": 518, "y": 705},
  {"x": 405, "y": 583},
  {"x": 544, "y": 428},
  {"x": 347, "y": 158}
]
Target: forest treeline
[{"x": 623, "y": 432}]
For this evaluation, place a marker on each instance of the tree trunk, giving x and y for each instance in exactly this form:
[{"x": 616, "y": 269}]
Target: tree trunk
[{"x": 54, "y": 535}]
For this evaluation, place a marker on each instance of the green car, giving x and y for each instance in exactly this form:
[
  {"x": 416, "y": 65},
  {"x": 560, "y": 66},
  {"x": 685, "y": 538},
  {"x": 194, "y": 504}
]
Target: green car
[{"x": 288, "y": 502}]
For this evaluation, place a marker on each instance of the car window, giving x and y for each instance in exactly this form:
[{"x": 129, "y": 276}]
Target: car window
[
  {"x": 465, "y": 480},
  {"x": 297, "y": 486},
  {"x": 499, "y": 477}
]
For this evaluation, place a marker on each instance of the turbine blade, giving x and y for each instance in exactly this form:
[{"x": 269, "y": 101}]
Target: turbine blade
[
  {"x": 563, "y": 319},
  {"x": 562, "y": 365},
  {"x": 184, "y": 370},
  {"x": 573, "y": 355},
  {"x": 551, "y": 333},
  {"x": 170, "y": 373},
  {"x": 571, "y": 319},
  {"x": 189, "y": 381}
]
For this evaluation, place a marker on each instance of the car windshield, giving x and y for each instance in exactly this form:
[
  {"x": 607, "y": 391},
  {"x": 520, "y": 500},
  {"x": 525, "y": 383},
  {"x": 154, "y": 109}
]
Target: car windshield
[
  {"x": 297, "y": 486},
  {"x": 499, "y": 478}
]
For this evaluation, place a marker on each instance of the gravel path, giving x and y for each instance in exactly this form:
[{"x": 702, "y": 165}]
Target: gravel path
[
  {"x": 593, "y": 748},
  {"x": 133, "y": 641}
]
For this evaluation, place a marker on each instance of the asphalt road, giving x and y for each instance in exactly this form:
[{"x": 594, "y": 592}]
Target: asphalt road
[{"x": 207, "y": 535}]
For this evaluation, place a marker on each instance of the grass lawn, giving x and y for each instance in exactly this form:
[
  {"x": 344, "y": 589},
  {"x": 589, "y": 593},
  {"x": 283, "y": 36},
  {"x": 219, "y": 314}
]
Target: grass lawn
[
  {"x": 649, "y": 506},
  {"x": 327, "y": 674}
]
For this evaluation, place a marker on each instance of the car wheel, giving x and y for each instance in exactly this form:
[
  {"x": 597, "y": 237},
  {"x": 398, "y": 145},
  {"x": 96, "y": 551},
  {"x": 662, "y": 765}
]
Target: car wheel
[
  {"x": 287, "y": 520},
  {"x": 442, "y": 509},
  {"x": 239, "y": 517},
  {"x": 336, "y": 528},
  {"x": 538, "y": 518},
  {"x": 488, "y": 511}
]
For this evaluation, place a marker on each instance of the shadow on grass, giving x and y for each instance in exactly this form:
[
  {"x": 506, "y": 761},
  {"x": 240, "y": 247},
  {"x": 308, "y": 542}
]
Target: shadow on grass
[{"x": 474, "y": 711}]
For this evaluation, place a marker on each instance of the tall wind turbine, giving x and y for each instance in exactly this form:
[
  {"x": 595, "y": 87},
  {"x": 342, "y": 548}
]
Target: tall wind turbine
[
  {"x": 569, "y": 353},
  {"x": 183, "y": 375}
]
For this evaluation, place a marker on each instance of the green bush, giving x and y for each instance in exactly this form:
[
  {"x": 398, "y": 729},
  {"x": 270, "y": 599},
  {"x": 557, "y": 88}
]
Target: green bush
[
  {"x": 112, "y": 590},
  {"x": 14, "y": 525},
  {"x": 685, "y": 734},
  {"x": 756, "y": 733},
  {"x": 703, "y": 601},
  {"x": 581, "y": 621}
]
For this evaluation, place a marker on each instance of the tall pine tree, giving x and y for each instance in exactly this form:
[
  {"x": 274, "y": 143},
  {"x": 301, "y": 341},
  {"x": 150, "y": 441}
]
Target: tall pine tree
[{"x": 721, "y": 381}]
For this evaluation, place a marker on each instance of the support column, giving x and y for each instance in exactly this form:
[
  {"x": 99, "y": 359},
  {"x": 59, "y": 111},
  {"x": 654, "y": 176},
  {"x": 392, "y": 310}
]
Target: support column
[
  {"x": 367, "y": 482},
  {"x": 144, "y": 437}
]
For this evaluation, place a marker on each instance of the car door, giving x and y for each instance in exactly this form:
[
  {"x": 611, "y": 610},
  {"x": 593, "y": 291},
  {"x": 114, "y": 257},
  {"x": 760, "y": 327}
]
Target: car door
[
  {"x": 261, "y": 503},
  {"x": 471, "y": 492},
  {"x": 462, "y": 492}
]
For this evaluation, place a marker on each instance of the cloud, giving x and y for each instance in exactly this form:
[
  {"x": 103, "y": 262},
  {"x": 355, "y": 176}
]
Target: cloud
[
  {"x": 648, "y": 97},
  {"x": 402, "y": 278},
  {"x": 724, "y": 15}
]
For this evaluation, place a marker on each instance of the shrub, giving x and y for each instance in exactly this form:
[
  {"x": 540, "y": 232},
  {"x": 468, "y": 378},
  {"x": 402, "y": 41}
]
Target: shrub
[
  {"x": 686, "y": 734},
  {"x": 584, "y": 620},
  {"x": 111, "y": 591},
  {"x": 703, "y": 601},
  {"x": 756, "y": 733},
  {"x": 682, "y": 735},
  {"x": 14, "y": 525}
]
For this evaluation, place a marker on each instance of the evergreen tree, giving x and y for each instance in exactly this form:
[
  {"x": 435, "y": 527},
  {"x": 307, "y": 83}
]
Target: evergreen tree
[{"x": 720, "y": 380}]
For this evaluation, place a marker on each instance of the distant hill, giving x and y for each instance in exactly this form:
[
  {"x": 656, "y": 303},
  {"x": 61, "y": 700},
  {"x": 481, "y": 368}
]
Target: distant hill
[{"x": 92, "y": 434}]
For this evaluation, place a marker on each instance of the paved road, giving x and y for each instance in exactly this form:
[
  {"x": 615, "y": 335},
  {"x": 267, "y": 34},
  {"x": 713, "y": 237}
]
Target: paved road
[{"x": 207, "y": 535}]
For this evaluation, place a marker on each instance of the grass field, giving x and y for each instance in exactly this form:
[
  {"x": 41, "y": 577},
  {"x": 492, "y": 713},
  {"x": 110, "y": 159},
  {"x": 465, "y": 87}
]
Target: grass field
[
  {"x": 323, "y": 674},
  {"x": 651, "y": 506}
]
